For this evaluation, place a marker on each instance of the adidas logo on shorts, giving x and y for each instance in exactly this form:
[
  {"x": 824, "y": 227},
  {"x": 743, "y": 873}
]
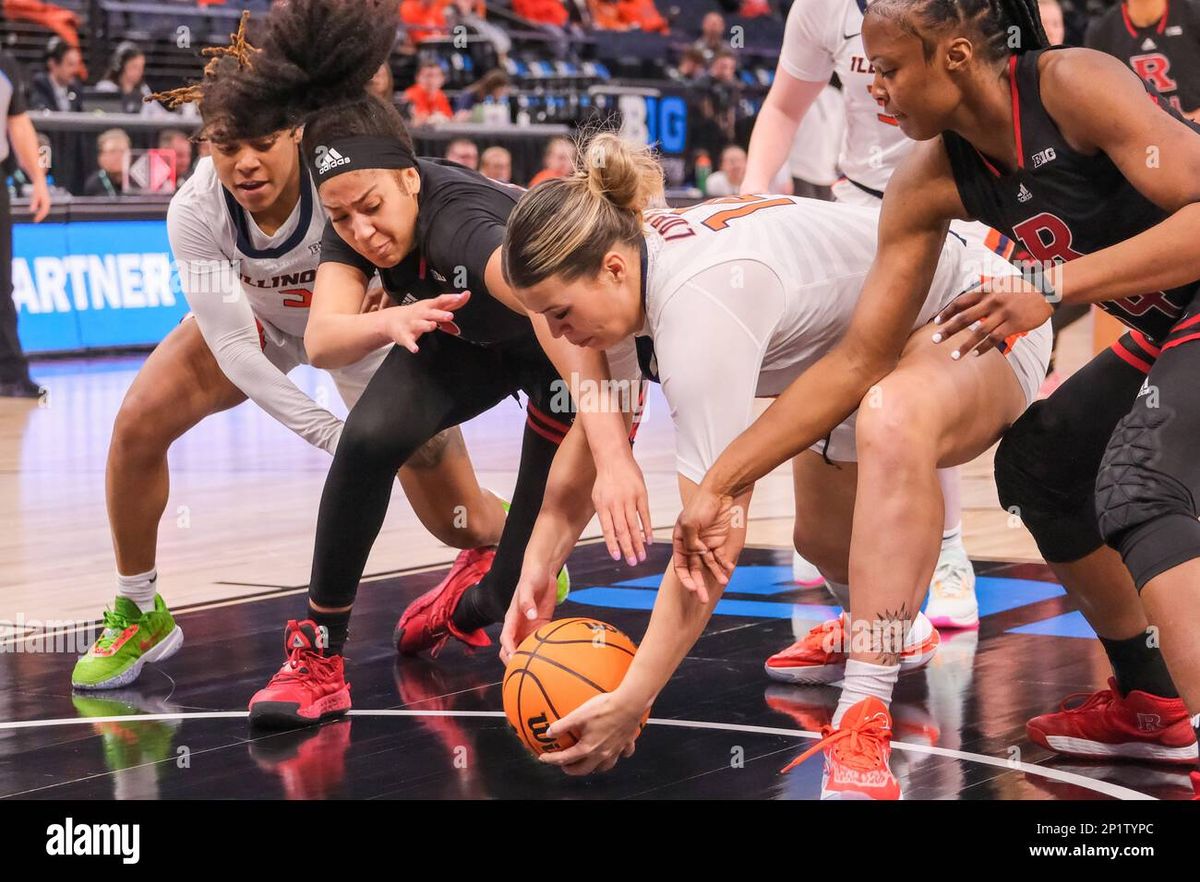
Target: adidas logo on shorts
[{"x": 328, "y": 158}]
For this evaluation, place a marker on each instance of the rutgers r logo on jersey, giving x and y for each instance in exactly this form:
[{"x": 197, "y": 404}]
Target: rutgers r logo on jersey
[
  {"x": 327, "y": 158},
  {"x": 1153, "y": 68}
]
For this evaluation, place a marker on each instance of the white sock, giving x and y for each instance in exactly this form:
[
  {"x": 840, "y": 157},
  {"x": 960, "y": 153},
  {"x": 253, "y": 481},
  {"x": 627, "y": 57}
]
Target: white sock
[
  {"x": 952, "y": 537},
  {"x": 841, "y": 592},
  {"x": 140, "y": 589},
  {"x": 863, "y": 680}
]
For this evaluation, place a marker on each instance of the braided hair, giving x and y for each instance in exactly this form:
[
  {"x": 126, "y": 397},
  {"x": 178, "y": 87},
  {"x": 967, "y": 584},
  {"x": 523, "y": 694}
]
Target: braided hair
[
  {"x": 1005, "y": 27},
  {"x": 224, "y": 62},
  {"x": 313, "y": 67}
]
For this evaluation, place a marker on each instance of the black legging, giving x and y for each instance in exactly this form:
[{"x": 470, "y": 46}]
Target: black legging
[{"x": 411, "y": 398}]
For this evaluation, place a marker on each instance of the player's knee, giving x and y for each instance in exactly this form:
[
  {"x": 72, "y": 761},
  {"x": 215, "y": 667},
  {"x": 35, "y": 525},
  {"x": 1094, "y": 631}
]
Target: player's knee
[
  {"x": 375, "y": 438},
  {"x": 892, "y": 425},
  {"x": 1143, "y": 510},
  {"x": 829, "y": 555},
  {"x": 141, "y": 428}
]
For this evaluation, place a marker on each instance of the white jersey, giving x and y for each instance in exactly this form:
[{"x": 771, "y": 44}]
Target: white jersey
[
  {"x": 744, "y": 294},
  {"x": 823, "y": 37},
  {"x": 240, "y": 282}
]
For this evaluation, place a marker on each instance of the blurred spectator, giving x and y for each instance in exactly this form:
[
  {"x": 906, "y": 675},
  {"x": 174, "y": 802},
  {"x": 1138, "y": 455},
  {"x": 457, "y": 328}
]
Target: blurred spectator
[
  {"x": 727, "y": 181},
  {"x": 424, "y": 19},
  {"x": 543, "y": 12},
  {"x": 712, "y": 36},
  {"x": 754, "y": 9},
  {"x": 691, "y": 66},
  {"x": 493, "y": 87},
  {"x": 464, "y": 152},
  {"x": 551, "y": 18},
  {"x": 427, "y": 102},
  {"x": 1160, "y": 43},
  {"x": 124, "y": 76},
  {"x": 17, "y": 138},
  {"x": 557, "y": 162},
  {"x": 470, "y": 14},
  {"x": 496, "y": 163},
  {"x": 176, "y": 140},
  {"x": 1052, "y": 21},
  {"x": 110, "y": 177},
  {"x": 382, "y": 85},
  {"x": 62, "y": 21},
  {"x": 627, "y": 15},
  {"x": 58, "y": 86}
]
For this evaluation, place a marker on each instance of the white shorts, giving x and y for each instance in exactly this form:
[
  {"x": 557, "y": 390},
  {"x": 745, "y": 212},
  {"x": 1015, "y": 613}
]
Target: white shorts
[{"x": 1029, "y": 358}]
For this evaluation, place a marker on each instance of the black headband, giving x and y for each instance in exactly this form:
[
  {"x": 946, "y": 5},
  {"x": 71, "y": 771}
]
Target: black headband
[{"x": 359, "y": 152}]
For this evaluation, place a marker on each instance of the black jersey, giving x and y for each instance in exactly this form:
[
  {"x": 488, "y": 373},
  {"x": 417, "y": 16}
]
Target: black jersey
[
  {"x": 460, "y": 223},
  {"x": 1061, "y": 204},
  {"x": 1165, "y": 54}
]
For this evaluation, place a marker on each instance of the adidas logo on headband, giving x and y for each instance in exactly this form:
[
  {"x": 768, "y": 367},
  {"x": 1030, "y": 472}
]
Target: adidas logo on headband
[{"x": 327, "y": 158}]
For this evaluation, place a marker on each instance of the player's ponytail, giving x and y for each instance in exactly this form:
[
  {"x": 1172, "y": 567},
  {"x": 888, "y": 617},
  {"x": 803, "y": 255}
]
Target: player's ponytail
[
  {"x": 312, "y": 69},
  {"x": 1000, "y": 28},
  {"x": 565, "y": 226}
]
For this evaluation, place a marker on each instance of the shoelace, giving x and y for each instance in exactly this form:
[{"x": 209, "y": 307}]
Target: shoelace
[
  {"x": 115, "y": 624},
  {"x": 1091, "y": 700},
  {"x": 859, "y": 746},
  {"x": 302, "y": 663},
  {"x": 822, "y": 638},
  {"x": 948, "y": 580}
]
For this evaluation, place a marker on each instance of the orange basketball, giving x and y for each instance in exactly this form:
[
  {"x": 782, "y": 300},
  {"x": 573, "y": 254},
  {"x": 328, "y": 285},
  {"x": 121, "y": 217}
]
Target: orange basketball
[{"x": 556, "y": 669}]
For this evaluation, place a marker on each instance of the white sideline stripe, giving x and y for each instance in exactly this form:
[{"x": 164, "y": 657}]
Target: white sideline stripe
[{"x": 1104, "y": 787}]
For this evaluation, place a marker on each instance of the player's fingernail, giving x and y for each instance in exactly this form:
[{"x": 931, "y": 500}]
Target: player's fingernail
[
  {"x": 616, "y": 555},
  {"x": 974, "y": 325},
  {"x": 531, "y": 614},
  {"x": 937, "y": 319},
  {"x": 937, "y": 338},
  {"x": 631, "y": 560},
  {"x": 956, "y": 355}
]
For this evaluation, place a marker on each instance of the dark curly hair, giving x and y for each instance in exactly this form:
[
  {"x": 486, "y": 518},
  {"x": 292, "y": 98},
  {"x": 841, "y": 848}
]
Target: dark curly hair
[
  {"x": 1005, "y": 27},
  {"x": 312, "y": 68}
]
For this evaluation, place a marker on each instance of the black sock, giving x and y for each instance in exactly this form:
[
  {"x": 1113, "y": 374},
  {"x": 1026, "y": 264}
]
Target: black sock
[
  {"x": 337, "y": 626},
  {"x": 487, "y": 602},
  {"x": 1137, "y": 665}
]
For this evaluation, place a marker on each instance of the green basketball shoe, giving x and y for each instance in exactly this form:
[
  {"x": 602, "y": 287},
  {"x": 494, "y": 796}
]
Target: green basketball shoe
[
  {"x": 129, "y": 640},
  {"x": 564, "y": 576}
]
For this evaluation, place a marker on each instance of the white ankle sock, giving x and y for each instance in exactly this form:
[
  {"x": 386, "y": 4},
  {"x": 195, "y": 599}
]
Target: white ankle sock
[
  {"x": 952, "y": 537},
  {"x": 862, "y": 680},
  {"x": 140, "y": 589}
]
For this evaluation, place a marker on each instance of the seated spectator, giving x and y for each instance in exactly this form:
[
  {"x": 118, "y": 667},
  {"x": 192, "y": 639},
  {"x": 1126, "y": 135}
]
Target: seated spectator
[
  {"x": 427, "y": 102},
  {"x": 606, "y": 15},
  {"x": 643, "y": 15},
  {"x": 727, "y": 181},
  {"x": 691, "y": 66},
  {"x": 496, "y": 163},
  {"x": 58, "y": 87},
  {"x": 464, "y": 152},
  {"x": 712, "y": 36},
  {"x": 125, "y": 74},
  {"x": 493, "y": 87},
  {"x": 62, "y": 21},
  {"x": 382, "y": 85},
  {"x": 714, "y": 102},
  {"x": 109, "y": 179},
  {"x": 177, "y": 141},
  {"x": 754, "y": 9},
  {"x": 471, "y": 14},
  {"x": 424, "y": 19},
  {"x": 557, "y": 162},
  {"x": 544, "y": 12}
]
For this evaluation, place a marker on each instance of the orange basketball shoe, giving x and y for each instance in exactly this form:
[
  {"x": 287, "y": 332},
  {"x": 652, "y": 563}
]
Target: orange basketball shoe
[
  {"x": 819, "y": 657},
  {"x": 857, "y": 754}
]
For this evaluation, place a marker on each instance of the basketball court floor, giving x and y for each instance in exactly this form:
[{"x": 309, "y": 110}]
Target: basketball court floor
[{"x": 235, "y": 548}]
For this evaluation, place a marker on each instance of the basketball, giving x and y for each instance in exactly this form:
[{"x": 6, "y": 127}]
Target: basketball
[{"x": 555, "y": 670}]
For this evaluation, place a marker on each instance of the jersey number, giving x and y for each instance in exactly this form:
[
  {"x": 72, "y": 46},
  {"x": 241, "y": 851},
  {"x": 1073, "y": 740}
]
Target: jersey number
[
  {"x": 300, "y": 298},
  {"x": 747, "y": 205}
]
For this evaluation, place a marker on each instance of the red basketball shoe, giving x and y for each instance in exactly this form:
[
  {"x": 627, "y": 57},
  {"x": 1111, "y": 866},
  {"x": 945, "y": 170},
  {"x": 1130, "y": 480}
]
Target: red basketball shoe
[
  {"x": 309, "y": 688},
  {"x": 1103, "y": 725},
  {"x": 427, "y": 624}
]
